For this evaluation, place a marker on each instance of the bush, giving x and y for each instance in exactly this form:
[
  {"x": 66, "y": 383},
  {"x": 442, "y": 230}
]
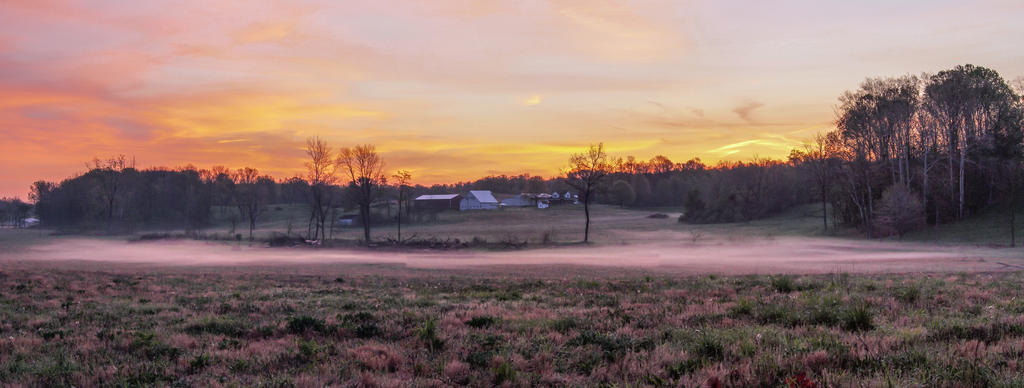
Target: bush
[
  {"x": 783, "y": 284},
  {"x": 199, "y": 362},
  {"x": 428, "y": 335},
  {"x": 481, "y": 321},
  {"x": 563, "y": 325},
  {"x": 709, "y": 348},
  {"x": 858, "y": 318},
  {"x": 900, "y": 210},
  {"x": 362, "y": 324},
  {"x": 304, "y": 323},
  {"x": 908, "y": 294},
  {"x": 230, "y": 328},
  {"x": 503, "y": 373},
  {"x": 742, "y": 308}
]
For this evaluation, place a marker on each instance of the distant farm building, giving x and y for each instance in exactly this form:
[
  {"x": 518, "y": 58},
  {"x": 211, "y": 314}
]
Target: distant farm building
[
  {"x": 521, "y": 200},
  {"x": 437, "y": 202},
  {"x": 478, "y": 200}
]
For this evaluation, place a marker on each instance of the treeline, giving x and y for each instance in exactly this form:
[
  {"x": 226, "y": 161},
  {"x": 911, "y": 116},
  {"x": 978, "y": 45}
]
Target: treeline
[
  {"x": 915, "y": 149},
  {"x": 13, "y": 212},
  {"x": 906, "y": 151}
]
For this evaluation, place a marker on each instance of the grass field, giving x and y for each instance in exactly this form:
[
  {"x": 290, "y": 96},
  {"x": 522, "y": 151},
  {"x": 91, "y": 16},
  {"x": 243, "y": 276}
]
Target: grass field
[
  {"x": 565, "y": 224},
  {"x": 434, "y": 328},
  {"x": 557, "y": 224}
]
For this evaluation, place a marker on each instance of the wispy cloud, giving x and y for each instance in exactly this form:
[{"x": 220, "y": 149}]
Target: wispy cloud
[{"x": 746, "y": 109}]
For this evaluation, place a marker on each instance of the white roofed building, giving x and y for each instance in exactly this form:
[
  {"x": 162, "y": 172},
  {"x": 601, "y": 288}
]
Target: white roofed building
[{"x": 478, "y": 200}]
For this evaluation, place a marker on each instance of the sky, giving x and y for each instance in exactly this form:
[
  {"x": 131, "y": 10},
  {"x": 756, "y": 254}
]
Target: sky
[{"x": 455, "y": 89}]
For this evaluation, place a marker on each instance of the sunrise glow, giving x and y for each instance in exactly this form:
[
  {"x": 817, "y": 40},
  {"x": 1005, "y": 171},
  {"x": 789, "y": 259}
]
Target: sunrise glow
[{"x": 454, "y": 90}]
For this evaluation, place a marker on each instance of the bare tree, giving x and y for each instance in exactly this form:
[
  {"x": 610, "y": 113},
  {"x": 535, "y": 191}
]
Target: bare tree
[
  {"x": 109, "y": 173},
  {"x": 819, "y": 157},
  {"x": 250, "y": 194},
  {"x": 966, "y": 102},
  {"x": 585, "y": 173},
  {"x": 402, "y": 179},
  {"x": 365, "y": 170},
  {"x": 320, "y": 173}
]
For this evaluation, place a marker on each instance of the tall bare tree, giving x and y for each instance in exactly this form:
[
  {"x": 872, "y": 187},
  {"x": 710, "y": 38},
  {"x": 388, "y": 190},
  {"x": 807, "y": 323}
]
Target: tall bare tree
[
  {"x": 585, "y": 173},
  {"x": 251, "y": 191},
  {"x": 967, "y": 102},
  {"x": 109, "y": 175},
  {"x": 819, "y": 156},
  {"x": 365, "y": 170},
  {"x": 402, "y": 179},
  {"x": 320, "y": 173}
]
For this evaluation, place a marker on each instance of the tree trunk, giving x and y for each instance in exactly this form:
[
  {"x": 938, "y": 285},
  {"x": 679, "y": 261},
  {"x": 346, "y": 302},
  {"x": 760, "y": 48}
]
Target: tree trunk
[
  {"x": 399, "y": 217},
  {"x": 366, "y": 222},
  {"x": 960, "y": 211},
  {"x": 824, "y": 209},
  {"x": 1013, "y": 208},
  {"x": 586, "y": 213}
]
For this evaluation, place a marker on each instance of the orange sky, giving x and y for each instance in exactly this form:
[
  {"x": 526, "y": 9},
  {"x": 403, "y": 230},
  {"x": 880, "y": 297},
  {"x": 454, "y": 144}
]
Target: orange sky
[{"x": 454, "y": 89}]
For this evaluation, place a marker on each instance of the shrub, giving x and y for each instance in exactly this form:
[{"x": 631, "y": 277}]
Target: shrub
[
  {"x": 307, "y": 349},
  {"x": 230, "y": 328},
  {"x": 481, "y": 321},
  {"x": 908, "y": 294},
  {"x": 564, "y": 325},
  {"x": 742, "y": 308},
  {"x": 199, "y": 362},
  {"x": 304, "y": 323},
  {"x": 428, "y": 335},
  {"x": 362, "y": 324},
  {"x": 504, "y": 372},
  {"x": 145, "y": 342},
  {"x": 709, "y": 347},
  {"x": 783, "y": 284},
  {"x": 858, "y": 318}
]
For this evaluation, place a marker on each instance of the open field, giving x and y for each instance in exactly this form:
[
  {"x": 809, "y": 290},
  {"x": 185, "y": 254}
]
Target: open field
[
  {"x": 652, "y": 303},
  {"x": 615, "y": 225},
  {"x": 389, "y": 326}
]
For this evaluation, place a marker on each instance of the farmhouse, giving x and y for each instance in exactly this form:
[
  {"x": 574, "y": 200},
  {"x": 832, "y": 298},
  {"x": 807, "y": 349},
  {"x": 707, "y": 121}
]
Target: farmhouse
[
  {"x": 478, "y": 200},
  {"x": 437, "y": 202}
]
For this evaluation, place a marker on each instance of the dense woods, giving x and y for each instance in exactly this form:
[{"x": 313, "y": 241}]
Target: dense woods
[{"x": 905, "y": 152}]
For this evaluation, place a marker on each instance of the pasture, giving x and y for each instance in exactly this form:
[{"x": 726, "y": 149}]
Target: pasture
[
  {"x": 390, "y": 326},
  {"x": 652, "y": 303}
]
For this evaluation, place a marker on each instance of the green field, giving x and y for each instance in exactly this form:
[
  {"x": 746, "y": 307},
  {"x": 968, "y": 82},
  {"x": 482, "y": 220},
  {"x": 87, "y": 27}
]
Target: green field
[{"x": 436, "y": 328}]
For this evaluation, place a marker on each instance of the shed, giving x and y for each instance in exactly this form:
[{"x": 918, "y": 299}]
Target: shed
[
  {"x": 478, "y": 200},
  {"x": 437, "y": 202}
]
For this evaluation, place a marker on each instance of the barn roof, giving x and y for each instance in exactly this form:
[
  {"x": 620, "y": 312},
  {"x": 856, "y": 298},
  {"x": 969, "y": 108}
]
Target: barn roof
[
  {"x": 484, "y": 196},
  {"x": 429, "y": 197}
]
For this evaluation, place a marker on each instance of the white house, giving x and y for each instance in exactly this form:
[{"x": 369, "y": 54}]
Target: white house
[{"x": 478, "y": 200}]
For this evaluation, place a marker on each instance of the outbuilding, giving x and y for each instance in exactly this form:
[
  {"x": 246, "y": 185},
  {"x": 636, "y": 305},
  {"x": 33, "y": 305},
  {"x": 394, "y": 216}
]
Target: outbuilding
[
  {"x": 478, "y": 200},
  {"x": 437, "y": 202}
]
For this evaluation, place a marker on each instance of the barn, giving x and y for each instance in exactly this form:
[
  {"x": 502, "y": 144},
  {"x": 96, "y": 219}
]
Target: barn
[
  {"x": 478, "y": 200},
  {"x": 437, "y": 202}
]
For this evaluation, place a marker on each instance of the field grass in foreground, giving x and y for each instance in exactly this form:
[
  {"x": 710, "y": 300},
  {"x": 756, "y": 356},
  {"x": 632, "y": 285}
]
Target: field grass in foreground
[{"x": 189, "y": 329}]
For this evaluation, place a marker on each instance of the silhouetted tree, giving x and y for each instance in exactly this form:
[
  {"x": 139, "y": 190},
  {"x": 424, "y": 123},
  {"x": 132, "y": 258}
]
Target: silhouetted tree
[
  {"x": 365, "y": 170},
  {"x": 402, "y": 179},
  {"x": 320, "y": 173},
  {"x": 586, "y": 172}
]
